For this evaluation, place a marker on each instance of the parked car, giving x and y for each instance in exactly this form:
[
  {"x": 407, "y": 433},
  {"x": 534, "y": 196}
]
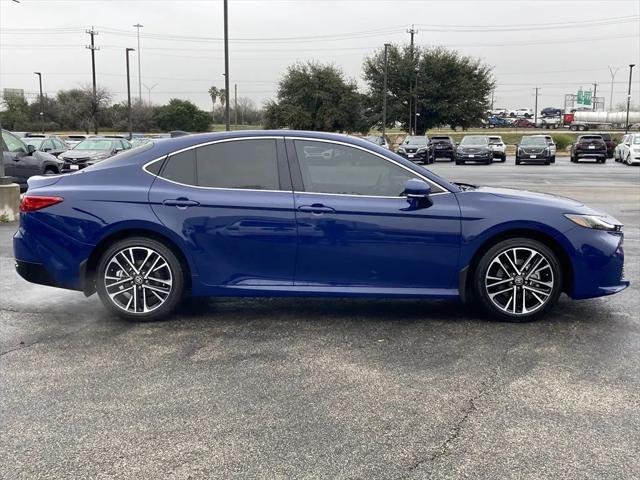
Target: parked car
[
  {"x": 416, "y": 148},
  {"x": 22, "y": 161},
  {"x": 73, "y": 140},
  {"x": 589, "y": 147},
  {"x": 521, "y": 113},
  {"x": 523, "y": 123},
  {"x": 533, "y": 149},
  {"x": 498, "y": 112},
  {"x": 238, "y": 214},
  {"x": 553, "y": 149},
  {"x": 46, "y": 143},
  {"x": 92, "y": 150},
  {"x": 382, "y": 141},
  {"x": 628, "y": 150},
  {"x": 474, "y": 148},
  {"x": 551, "y": 112},
  {"x": 443, "y": 147},
  {"x": 610, "y": 142},
  {"x": 498, "y": 147},
  {"x": 493, "y": 122}
]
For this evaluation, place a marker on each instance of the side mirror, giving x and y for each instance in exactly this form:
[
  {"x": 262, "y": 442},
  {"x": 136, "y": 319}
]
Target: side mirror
[
  {"x": 30, "y": 149},
  {"x": 418, "y": 189},
  {"x": 47, "y": 149}
]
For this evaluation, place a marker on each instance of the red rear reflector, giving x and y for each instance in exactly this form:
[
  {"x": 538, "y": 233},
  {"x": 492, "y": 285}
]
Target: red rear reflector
[{"x": 31, "y": 203}]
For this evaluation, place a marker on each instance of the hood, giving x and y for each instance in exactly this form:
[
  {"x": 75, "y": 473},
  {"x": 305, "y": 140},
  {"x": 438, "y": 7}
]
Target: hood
[
  {"x": 533, "y": 197},
  {"x": 75, "y": 154}
]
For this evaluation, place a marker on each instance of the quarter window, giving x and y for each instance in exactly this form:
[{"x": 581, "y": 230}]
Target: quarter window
[
  {"x": 242, "y": 164},
  {"x": 339, "y": 169},
  {"x": 181, "y": 168}
]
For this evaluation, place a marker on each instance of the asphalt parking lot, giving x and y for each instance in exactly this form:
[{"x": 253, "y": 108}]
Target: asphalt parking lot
[{"x": 278, "y": 388}]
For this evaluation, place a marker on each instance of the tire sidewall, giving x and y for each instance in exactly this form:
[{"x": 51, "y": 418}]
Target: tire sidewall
[
  {"x": 483, "y": 265},
  {"x": 177, "y": 274}
]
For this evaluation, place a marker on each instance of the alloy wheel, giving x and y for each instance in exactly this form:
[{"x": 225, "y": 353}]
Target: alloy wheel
[
  {"x": 138, "y": 279},
  {"x": 519, "y": 280}
]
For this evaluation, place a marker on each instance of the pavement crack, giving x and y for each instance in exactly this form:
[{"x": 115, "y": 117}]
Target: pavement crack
[{"x": 22, "y": 346}]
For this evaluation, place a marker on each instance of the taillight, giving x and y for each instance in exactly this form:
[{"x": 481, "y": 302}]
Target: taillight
[{"x": 31, "y": 203}]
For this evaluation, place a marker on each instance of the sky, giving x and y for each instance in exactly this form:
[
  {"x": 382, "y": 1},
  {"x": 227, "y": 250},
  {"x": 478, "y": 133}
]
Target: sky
[{"x": 556, "y": 45}]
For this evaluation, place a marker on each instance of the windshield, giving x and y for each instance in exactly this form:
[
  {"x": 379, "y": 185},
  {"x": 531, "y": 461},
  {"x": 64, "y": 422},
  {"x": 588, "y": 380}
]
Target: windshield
[
  {"x": 36, "y": 142},
  {"x": 636, "y": 140},
  {"x": 415, "y": 140},
  {"x": 94, "y": 144},
  {"x": 121, "y": 156},
  {"x": 475, "y": 140},
  {"x": 537, "y": 141},
  {"x": 495, "y": 140}
]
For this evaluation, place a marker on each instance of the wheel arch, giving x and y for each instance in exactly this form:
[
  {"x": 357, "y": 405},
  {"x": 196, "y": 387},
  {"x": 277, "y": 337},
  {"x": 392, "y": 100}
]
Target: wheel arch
[
  {"x": 467, "y": 273},
  {"x": 89, "y": 266}
]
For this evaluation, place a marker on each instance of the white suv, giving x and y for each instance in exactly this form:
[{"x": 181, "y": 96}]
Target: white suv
[
  {"x": 628, "y": 150},
  {"x": 521, "y": 113},
  {"x": 498, "y": 147}
]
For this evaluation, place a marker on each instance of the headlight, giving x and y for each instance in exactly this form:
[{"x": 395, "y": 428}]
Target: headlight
[
  {"x": 422, "y": 149},
  {"x": 597, "y": 222},
  {"x": 401, "y": 149}
]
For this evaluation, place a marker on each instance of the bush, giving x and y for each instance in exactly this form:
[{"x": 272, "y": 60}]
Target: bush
[{"x": 563, "y": 140}]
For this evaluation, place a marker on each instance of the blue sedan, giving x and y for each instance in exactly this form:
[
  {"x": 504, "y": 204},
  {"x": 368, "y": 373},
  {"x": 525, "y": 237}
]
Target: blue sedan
[{"x": 286, "y": 213}]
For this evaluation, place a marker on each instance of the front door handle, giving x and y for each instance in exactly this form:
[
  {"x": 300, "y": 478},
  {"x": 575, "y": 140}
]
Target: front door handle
[
  {"x": 181, "y": 203},
  {"x": 316, "y": 208}
]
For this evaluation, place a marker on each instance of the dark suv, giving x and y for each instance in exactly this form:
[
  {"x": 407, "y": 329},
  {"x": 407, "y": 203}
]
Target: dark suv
[
  {"x": 416, "y": 148},
  {"x": 590, "y": 147},
  {"x": 23, "y": 161},
  {"x": 443, "y": 147}
]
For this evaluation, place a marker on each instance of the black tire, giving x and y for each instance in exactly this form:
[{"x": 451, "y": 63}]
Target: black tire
[
  {"x": 459, "y": 162},
  {"x": 176, "y": 278},
  {"x": 553, "y": 275},
  {"x": 51, "y": 171},
  {"x": 553, "y": 159},
  {"x": 503, "y": 158},
  {"x": 547, "y": 162},
  {"x": 517, "y": 161}
]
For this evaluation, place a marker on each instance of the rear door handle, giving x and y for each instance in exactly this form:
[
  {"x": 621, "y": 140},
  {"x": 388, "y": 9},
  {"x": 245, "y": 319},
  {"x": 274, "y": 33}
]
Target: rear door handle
[
  {"x": 180, "y": 203},
  {"x": 316, "y": 208}
]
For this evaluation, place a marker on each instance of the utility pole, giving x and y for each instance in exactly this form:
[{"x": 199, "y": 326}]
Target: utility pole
[
  {"x": 93, "y": 49},
  {"x": 41, "y": 101},
  {"x": 226, "y": 64},
  {"x": 626, "y": 129},
  {"x": 149, "y": 90},
  {"x": 235, "y": 103},
  {"x": 595, "y": 102},
  {"x": 535, "y": 108},
  {"x": 411, "y": 31},
  {"x": 127, "y": 50},
  {"x": 415, "y": 118},
  {"x": 138, "y": 26},
  {"x": 384, "y": 91},
  {"x": 613, "y": 73},
  {"x": 493, "y": 90}
]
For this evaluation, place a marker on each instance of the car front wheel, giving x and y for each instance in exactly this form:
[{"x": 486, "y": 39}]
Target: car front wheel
[
  {"x": 518, "y": 280},
  {"x": 140, "y": 279}
]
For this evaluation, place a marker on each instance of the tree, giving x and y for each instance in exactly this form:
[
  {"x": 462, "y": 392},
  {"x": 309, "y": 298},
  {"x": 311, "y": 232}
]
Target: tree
[
  {"x": 182, "y": 115},
  {"x": 312, "y": 96},
  {"x": 452, "y": 89},
  {"x": 78, "y": 110},
  {"x": 214, "y": 93},
  {"x": 17, "y": 113}
]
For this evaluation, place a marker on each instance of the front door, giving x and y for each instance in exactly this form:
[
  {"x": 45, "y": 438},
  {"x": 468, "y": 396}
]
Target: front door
[
  {"x": 232, "y": 203},
  {"x": 356, "y": 229},
  {"x": 13, "y": 151}
]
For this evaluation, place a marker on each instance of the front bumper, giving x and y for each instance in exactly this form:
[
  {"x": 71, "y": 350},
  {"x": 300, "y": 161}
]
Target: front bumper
[
  {"x": 532, "y": 157},
  {"x": 415, "y": 156},
  {"x": 598, "y": 263},
  {"x": 474, "y": 157}
]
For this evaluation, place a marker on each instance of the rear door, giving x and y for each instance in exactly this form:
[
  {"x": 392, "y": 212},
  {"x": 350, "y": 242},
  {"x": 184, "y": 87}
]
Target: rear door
[
  {"x": 232, "y": 203},
  {"x": 13, "y": 152}
]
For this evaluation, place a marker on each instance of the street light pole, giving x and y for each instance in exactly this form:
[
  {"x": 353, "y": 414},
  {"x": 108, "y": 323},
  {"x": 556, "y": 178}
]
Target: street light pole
[
  {"x": 138, "y": 26},
  {"x": 128, "y": 50},
  {"x": 415, "y": 119},
  {"x": 226, "y": 65},
  {"x": 626, "y": 129},
  {"x": 41, "y": 101},
  {"x": 384, "y": 91}
]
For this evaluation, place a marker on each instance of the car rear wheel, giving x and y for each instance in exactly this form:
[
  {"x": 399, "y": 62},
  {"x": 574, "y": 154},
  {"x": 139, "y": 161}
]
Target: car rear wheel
[
  {"x": 518, "y": 280},
  {"x": 140, "y": 279}
]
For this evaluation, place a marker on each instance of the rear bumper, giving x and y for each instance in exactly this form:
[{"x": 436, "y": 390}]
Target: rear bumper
[
  {"x": 35, "y": 273},
  {"x": 587, "y": 154}
]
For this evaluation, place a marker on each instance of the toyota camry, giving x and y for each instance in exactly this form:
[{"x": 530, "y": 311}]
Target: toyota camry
[{"x": 286, "y": 213}]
